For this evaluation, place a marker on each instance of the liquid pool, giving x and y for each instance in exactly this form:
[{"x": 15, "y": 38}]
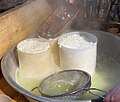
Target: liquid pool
[{"x": 105, "y": 77}]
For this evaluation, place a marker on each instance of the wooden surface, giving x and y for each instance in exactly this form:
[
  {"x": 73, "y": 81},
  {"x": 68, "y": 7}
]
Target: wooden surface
[{"x": 20, "y": 22}]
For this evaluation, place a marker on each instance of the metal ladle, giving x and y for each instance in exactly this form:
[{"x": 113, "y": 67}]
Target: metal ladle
[{"x": 67, "y": 85}]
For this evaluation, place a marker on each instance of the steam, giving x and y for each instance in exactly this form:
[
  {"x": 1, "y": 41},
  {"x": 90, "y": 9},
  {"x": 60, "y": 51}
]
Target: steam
[
  {"x": 94, "y": 15},
  {"x": 69, "y": 15}
]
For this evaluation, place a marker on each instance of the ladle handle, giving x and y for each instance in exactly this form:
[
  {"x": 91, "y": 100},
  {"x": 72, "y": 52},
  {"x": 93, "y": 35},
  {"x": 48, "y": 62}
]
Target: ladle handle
[
  {"x": 97, "y": 90},
  {"x": 34, "y": 88}
]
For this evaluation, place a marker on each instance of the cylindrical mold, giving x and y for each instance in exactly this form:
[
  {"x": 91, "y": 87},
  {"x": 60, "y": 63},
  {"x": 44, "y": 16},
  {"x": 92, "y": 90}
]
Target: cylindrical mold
[
  {"x": 78, "y": 51},
  {"x": 34, "y": 57}
]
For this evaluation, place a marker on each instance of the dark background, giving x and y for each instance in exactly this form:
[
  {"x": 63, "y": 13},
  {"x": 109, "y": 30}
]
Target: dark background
[{"x": 8, "y": 4}]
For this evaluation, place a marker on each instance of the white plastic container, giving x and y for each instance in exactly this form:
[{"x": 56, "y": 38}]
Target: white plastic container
[
  {"x": 34, "y": 55},
  {"x": 78, "y": 54}
]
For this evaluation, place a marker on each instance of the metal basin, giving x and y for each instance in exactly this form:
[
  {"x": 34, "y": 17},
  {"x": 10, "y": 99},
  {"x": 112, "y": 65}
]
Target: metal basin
[{"x": 107, "y": 69}]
